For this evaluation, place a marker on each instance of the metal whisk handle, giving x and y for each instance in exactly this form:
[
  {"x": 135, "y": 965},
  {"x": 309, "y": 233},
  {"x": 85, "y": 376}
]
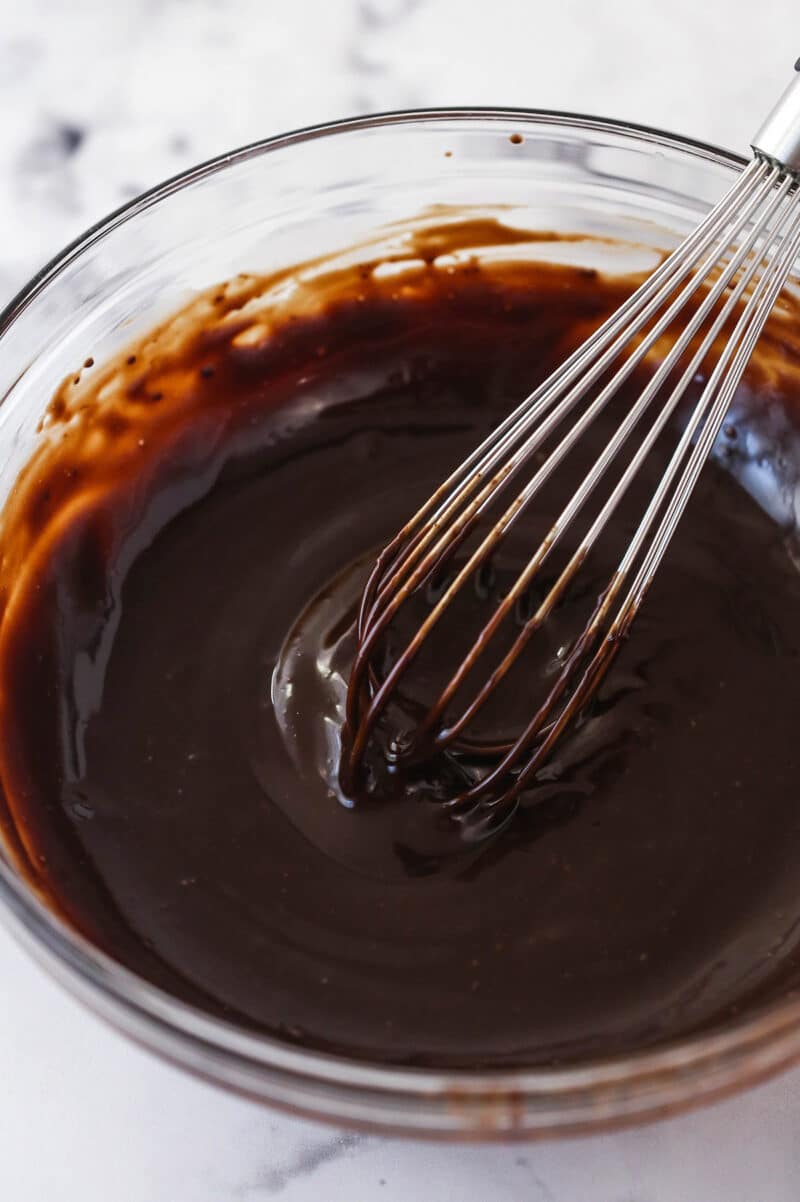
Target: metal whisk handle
[{"x": 778, "y": 138}]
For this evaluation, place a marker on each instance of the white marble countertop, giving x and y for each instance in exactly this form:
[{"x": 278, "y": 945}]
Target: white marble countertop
[{"x": 102, "y": 99}]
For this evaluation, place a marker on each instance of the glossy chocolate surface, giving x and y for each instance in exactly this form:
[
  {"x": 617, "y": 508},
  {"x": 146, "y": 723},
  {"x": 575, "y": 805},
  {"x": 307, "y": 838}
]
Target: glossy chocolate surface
[{"x": 181, "y": 560}]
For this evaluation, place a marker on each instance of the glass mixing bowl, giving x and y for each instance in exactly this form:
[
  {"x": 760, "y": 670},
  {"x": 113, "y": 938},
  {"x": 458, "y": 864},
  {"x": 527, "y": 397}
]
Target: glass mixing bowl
[{"x": 276, "y": 203}]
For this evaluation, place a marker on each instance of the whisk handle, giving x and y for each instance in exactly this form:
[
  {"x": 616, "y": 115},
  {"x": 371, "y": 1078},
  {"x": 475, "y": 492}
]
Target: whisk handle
[{"x": 778, "y": 139}]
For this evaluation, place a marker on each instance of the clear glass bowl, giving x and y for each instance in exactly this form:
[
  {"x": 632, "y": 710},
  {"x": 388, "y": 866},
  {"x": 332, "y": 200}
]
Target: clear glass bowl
[{"x": 281, "y": 202}]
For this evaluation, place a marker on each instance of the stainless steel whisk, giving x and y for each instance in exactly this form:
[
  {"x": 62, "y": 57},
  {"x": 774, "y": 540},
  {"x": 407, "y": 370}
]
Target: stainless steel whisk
[{"x": 728, "y": 272}]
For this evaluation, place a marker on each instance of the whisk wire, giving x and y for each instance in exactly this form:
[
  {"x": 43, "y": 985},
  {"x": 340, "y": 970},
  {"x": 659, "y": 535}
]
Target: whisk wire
[
  {"x": 729, "y": 270},
  {"x": 743, "y": 340},
  {"x": 578, "y": 499},
  {"x": 414, "y": 565}
]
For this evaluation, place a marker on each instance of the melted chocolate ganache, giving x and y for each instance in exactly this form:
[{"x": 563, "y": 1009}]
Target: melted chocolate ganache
[{"x": 181, "y": 560}]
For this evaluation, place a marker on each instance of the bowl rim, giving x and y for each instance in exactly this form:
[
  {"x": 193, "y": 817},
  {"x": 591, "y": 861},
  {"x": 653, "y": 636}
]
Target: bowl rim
[{"x": 475, "y": 1104}]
